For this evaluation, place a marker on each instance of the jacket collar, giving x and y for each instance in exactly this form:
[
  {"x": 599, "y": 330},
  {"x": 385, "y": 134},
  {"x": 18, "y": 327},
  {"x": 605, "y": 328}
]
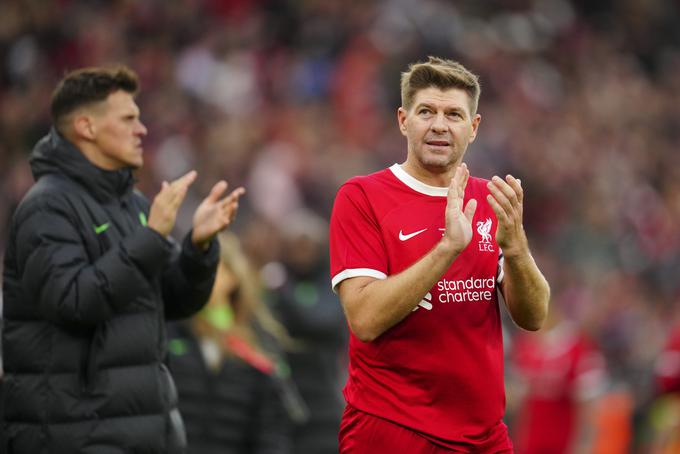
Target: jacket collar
[{"x": 54, "y": 154}]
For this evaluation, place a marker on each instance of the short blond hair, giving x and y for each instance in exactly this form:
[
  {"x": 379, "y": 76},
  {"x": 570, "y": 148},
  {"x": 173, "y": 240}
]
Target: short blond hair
[{"x": 440, "y": 73}]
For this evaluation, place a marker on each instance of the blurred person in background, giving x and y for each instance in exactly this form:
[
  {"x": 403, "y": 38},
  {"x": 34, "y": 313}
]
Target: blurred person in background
[
  {"x": 562, "y": 375},
  {"x": 418, "y": 253},
  {"x": 664, "y": 412},
  {"x": 90, "y": 274},
  {"x": 236, "y": 395},
  {"x": 667, "y": 368},
  {"x": 309, "y": 310}
]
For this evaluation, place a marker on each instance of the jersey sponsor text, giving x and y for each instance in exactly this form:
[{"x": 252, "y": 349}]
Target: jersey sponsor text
[{"x": 465, "y": 290}]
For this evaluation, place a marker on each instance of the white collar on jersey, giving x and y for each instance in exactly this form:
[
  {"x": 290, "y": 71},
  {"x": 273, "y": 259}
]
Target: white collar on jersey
[{"x": 417, "y": 185}]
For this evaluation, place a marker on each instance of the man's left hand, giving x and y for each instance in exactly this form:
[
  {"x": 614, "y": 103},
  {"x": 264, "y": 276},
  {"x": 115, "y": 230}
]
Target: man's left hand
[
  {"x": 214, "y": 214},
  {"x": 506, "y": 199}
]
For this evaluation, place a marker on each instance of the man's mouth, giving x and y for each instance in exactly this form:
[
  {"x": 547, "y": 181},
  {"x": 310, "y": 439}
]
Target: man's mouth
[{"x": 437, "y": 143}]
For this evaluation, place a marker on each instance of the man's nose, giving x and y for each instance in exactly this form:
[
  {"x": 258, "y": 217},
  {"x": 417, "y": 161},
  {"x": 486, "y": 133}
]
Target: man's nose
[
  {"x": 141, "y": 129},
  {"x": 438, "y": 124}
]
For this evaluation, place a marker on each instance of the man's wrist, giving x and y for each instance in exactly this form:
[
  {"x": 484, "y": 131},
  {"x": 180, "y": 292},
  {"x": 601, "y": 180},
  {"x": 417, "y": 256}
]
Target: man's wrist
[
  {"x": 517, "y": 254},
  {"x": 449, "y": 248},
  {"x": 201, "y": 244},
  {"x": 517, "y": 250},
  {"x": 158, "y": 230}
]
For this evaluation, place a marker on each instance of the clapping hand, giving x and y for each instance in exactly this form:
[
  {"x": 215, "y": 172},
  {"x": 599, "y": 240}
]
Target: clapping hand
[
  {"x": 215, "y": 214},
  {"x": 163, "y": 211},
  {"x": 507, "y": 199},
  {"x": 458, "y": 219}
]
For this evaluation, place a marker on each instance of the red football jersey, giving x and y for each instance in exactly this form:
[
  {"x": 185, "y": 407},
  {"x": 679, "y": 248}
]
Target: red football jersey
[
  {"x": 667, "y": 367},
  {"x": 440, "y": 370},
  {"x": 560, "y": 367}
]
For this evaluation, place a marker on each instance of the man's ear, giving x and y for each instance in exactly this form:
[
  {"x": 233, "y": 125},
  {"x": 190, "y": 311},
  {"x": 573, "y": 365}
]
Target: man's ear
[
  {"x": 475, "y": 127},
  {"x": 401, "y": 120},
  {"x": 83, "y": 125}
]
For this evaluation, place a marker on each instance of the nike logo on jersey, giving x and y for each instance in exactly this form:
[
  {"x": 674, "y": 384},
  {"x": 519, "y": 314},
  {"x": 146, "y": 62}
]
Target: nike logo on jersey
[{"x": 403, "y": 237}]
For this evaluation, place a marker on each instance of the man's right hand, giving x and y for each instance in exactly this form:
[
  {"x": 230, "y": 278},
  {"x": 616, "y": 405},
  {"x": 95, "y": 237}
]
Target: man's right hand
[
  {"x": 458, "y": 231},
  {"x": 163, "y": 212}
]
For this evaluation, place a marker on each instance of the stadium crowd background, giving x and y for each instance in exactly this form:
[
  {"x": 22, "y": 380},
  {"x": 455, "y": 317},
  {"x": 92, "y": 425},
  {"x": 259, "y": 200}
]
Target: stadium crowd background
[{"x": 581, "y": 100}]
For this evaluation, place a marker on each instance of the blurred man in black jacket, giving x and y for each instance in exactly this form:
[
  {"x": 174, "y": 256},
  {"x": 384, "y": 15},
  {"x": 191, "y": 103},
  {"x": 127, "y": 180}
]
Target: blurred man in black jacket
[{"x": 90, "y": 274}]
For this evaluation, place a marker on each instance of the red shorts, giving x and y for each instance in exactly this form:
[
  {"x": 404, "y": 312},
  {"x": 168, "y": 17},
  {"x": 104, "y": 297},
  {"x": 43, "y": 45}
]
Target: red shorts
[{"x": 361, "y": 433}]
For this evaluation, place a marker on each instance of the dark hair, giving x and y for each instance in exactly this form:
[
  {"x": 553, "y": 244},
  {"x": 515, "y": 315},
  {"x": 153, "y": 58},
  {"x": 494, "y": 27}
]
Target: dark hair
[
  {"x": 89, "y": 85},
  {"x": 442, "y": 74}
]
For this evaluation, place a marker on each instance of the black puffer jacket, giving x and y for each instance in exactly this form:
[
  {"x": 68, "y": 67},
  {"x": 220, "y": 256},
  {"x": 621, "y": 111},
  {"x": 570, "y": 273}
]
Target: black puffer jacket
[{"x": 87, "y": 287}]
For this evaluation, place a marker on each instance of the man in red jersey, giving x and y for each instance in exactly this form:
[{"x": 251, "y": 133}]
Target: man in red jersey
[
  {"x": 667, "y": 367},
  {"x": 664, "y": 414},
  {"x": 563, "y": 377},
  {"x": 416, "y": 260}
]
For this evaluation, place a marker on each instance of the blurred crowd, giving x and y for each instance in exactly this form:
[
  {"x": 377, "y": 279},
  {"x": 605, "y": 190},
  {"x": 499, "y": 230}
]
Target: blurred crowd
[{"x": 581, "y": 100}]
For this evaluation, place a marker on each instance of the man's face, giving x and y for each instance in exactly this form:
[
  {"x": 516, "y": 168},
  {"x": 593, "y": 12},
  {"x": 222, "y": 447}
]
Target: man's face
[
  {"x": 118, "y": 132},
  {"x": 438, "y": 128}
]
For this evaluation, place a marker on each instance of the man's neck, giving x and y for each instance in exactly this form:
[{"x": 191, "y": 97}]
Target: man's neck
[
  {"x": 437, "y": 177},
  {"x": 93, "y": 154}
]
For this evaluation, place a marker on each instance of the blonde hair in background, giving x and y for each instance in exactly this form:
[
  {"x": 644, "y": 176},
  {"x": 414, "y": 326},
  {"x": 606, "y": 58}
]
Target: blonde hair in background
[{"x": 247, "y": 302}]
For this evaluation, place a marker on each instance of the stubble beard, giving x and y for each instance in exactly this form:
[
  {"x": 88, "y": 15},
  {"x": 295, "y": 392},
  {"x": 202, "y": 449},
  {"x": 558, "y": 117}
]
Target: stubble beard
[
  {"x": 136, "y": 160},
  {"x": 437, "y": 163}
]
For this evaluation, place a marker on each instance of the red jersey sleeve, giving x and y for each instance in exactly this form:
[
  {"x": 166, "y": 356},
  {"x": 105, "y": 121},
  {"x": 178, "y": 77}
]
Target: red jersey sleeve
[
  {"x": 667, "y": 367},
  {"x": 356, "y": 245}
]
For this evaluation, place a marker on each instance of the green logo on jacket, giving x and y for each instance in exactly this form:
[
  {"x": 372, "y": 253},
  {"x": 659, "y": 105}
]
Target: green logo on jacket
[
  {"x": 100, "y": 228},
  {"x": 178, "y": 347}
]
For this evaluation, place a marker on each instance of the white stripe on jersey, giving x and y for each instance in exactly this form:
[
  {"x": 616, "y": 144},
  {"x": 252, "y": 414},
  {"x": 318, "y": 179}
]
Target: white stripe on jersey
[{"x": 356, "y": 272}]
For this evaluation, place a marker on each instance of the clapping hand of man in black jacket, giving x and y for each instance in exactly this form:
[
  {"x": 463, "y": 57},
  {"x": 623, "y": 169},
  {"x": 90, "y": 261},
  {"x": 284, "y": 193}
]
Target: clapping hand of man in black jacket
[{"x": 213, "y": 215}]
